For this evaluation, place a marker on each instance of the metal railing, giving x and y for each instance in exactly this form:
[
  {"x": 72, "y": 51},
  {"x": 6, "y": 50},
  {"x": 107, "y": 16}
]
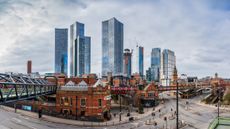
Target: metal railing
[{"x": 21, "y": 87}]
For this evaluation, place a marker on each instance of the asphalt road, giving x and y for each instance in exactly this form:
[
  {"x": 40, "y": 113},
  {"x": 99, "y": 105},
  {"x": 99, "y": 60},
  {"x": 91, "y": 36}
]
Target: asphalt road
[{"x": 196, "y": 116}]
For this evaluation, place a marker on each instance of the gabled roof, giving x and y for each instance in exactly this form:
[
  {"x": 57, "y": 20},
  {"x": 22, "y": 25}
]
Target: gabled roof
[
  {"x": 70, "y": 83},
  {"x": 82, "y": 83},
  {"x": 99, "y": 82},
  {"x": 71, "y": 86}
]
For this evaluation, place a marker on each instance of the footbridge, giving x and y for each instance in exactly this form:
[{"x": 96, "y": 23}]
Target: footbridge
[{"x": 15, "y": 87}]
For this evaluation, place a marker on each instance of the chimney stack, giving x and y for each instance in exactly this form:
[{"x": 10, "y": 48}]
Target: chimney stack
[{"x": 29, "y": 67}]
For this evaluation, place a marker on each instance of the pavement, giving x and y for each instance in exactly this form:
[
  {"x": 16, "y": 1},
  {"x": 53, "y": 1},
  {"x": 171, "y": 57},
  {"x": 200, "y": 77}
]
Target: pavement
[
  {"x": 114, "y": 122},
  {"x": 195, "y": 115}
]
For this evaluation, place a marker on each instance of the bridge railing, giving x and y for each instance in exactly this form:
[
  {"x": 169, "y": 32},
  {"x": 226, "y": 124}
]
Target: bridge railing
[{"x": 14, "y": 88}]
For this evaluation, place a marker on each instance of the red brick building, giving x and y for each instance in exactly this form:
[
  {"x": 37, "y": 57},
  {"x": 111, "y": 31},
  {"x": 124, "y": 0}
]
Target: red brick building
[
  {"x": 84, "y": 98},
  {"x": 148, "y": 95}
]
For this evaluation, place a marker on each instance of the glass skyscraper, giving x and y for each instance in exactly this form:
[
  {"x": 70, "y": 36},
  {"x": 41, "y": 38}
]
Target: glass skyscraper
[
  {"x": 168, "y": 62},
  {"x": 61, "y": 50},
  {"x": 87, "y": 56},
  {"x": 127, "y": 60},
  {"x": 155, "y": 64},
  {"x": 112, "y": 47},
  {"x": 79, "y": 51},
  {"x": 140, "y": 60}
]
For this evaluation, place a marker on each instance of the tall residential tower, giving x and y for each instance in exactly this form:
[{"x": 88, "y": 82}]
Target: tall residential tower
[
  {"x": 127, "y": 60},
  {"x": 61, "y": 48},
  {"x": 168, "y": 63},
  {"x": 79, "y": 51},
  {"x": 112, "y": 47},
  {"x": 155, "y": 64},
  {"x": 140, "y": 60}
]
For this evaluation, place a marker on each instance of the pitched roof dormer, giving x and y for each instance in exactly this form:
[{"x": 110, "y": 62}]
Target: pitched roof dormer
[
  {"x": 70, "y": 83},
  {"x": 99, "y": 82}
]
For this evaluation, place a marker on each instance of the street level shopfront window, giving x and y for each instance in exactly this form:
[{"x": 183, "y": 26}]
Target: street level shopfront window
[{"x": 83, "y": 102}]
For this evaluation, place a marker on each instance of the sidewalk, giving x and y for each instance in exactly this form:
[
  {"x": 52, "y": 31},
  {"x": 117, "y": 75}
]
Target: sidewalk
[
  {"x": 213, "y": 106},
  {"x": 115, "y": 121}
]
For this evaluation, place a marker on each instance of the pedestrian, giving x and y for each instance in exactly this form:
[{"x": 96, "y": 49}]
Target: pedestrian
[
  {"x": 39, "y": 113},
  {"x": 15, "y": 107}
]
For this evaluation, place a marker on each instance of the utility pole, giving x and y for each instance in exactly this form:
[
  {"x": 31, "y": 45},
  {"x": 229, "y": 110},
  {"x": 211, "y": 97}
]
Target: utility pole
[{"x": 177, "y": 110}]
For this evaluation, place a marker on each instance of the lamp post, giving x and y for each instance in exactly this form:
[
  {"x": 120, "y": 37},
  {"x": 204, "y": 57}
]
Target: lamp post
[
  {"x": 177, "y": 109},
  {"x": 218, "y": 106},
  {"x": 120, "y": 98},
  {"x": 120, "y": 105}
]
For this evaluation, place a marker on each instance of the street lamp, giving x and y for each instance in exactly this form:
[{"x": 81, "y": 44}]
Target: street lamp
[
  {"x": 120, "y": 103},
  {"x": 218, "y": 106},
  {"x": 177, "y": 109}
]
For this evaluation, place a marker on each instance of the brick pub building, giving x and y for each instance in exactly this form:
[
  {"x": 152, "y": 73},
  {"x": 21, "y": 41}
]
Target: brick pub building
[{"x": 86, "y": 98}]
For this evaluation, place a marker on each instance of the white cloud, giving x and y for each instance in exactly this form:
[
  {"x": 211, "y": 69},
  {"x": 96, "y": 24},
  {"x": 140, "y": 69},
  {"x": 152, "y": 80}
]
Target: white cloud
[{"x": 196, "y": 30}]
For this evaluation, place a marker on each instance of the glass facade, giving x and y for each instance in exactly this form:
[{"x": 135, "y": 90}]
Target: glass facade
[
  {"x": 155, "y": 64},
  {"x": 127, "y": 63},
  {"x": 87, "y": 55},
  {"x": 140, "y": 60},
  {"x": 168, "y": 62},
  {"x": 79, "y": 51},
  {"x": 61, "y": 50},
  {"x": 112, "y": 47}
]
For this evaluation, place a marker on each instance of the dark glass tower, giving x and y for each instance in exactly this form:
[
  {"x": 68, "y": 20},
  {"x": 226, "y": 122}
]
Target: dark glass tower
[
  {"x": 112, "y": 47},
  {"x": 79, "y": 51},
  {"x": 61, "y": 48}
]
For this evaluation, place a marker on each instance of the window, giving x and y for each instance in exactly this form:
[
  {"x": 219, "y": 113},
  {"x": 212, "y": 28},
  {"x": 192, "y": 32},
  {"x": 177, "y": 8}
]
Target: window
[
  {"x": 150, "y": 94},
  {"x": 99, "y": 102},
  {"x": 71, "y": 102},
  {"x": 61, "y": 101},
  {"x": 83, "y": 102},
  {"x": 66, "y": 100}
]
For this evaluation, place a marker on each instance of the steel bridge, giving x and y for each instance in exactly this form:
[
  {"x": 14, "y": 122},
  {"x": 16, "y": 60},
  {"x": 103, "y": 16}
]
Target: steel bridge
[{"x": 15, "y": 87}]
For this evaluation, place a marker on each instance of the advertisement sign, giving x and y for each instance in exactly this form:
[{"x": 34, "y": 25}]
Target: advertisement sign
[{"x": 25, "y": 107}]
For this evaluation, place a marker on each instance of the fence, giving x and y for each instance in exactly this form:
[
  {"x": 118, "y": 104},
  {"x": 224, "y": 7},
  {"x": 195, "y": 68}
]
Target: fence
[{"x": 222, "y": 121}]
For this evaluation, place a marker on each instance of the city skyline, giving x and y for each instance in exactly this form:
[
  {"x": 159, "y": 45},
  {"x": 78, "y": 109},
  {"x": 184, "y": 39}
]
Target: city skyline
[
  {"x": 114, "y": 64},
  {"x": 200, "y": 41}
]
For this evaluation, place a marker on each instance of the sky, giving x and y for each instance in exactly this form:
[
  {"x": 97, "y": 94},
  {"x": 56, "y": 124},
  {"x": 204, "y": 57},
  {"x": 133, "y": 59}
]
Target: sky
[{"x": 198, "y": 31}]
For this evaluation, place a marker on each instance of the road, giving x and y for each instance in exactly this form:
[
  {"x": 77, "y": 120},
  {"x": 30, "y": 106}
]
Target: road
[
  {"x": 11, "y": 120},
  {"x": 196, "y": 116}
]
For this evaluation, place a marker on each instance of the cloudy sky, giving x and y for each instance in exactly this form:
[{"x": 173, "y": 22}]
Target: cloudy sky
[{"x": 197, "y": 30}]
